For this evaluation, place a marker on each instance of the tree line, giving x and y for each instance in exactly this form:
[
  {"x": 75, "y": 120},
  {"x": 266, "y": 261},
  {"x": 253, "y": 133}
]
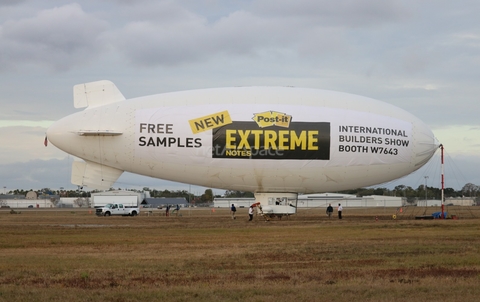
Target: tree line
[
  {"x": 422, "y": 191},
  {"x": 469, "y": 190}
]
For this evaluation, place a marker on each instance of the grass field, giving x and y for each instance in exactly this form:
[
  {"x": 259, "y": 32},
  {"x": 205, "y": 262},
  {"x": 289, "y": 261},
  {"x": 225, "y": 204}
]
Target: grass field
[{"x": 72, "y": 255}]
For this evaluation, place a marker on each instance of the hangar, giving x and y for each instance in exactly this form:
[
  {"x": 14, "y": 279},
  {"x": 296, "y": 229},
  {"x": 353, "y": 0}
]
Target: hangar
[
  {"x": 323, "y": 200},
  {"x": 127, "y": 198}
]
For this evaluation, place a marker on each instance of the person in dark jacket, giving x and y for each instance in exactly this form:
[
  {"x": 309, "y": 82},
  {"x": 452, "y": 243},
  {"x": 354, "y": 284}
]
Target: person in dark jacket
[
  {"x": 329, "y": 210},
  {"x": 233, "y": 209}
]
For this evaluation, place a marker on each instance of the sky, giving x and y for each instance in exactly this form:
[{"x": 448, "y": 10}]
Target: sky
[{"x": 422, "y": 56}]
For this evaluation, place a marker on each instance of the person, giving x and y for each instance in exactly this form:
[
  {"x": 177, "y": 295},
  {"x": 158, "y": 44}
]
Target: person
[
  {"x": 339, "y": 210},
  {"x": 167, "y": 210},
  {"x": 250, "y": 213},
  {"x": 177, "y": 208},
  {"x": 329, "y": 210},
  {"x": 233, "y": 209}
]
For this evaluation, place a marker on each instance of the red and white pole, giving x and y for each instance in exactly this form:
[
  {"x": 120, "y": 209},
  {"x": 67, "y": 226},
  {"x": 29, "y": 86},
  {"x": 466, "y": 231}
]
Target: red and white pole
[{"x": 443, "y": 185}]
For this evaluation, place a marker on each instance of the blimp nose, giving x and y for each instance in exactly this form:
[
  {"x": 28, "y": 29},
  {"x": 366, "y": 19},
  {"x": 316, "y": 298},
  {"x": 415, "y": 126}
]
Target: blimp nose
[{"x": 427, "y": 145}]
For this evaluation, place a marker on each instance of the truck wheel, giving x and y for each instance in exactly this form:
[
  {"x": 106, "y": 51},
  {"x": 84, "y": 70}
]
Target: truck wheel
[
  {"x": 134, "y": 213},
  {"x": 107, "y": 213}
]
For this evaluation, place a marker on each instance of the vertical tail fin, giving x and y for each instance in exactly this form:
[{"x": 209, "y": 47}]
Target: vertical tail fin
[{"x": 95, "y": 94}]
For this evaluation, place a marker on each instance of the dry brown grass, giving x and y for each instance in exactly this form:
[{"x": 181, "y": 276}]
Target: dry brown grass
[{"x": 204, "y": 256}]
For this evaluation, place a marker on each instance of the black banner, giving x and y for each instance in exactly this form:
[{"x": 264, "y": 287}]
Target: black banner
[{"x": 301, "y": 140}]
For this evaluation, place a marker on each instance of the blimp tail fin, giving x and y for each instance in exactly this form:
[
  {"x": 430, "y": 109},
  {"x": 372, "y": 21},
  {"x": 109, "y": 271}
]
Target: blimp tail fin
[
  {"x": 95, "y": 94},
  {"x": 94, "y": 175}
]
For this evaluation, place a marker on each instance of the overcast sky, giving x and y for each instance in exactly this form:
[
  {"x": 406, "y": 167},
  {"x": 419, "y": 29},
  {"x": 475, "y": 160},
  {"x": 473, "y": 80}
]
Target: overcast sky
[{"x": 422, "y": 56}]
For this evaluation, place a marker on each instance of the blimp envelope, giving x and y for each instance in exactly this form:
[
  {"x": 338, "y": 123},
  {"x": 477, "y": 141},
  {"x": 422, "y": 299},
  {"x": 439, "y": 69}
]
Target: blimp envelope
[{"x": 259, "y": 139}]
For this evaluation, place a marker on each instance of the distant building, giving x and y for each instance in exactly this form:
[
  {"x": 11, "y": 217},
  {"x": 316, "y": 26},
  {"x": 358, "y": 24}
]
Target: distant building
[
  {"x": 450, "y": 201},
  {"x": 11, "y": 196},
  {"x": 323, "y": 200},
  {"x": 460, "y": 201},
  {"x": 164, "y": 201},
  {"x": 127, "y": 198},
  {"x": 31, "y": 195},
  {"x": 238, "y": 202},
  {"x": 429, "y": 203}
]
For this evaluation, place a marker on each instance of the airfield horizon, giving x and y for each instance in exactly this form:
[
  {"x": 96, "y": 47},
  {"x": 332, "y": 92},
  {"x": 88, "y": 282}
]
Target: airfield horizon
[{"x": 204, "y": 255}]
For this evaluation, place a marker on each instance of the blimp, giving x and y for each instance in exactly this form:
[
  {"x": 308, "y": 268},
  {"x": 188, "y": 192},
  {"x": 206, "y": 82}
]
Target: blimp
[{"x": 277, "y": 142}]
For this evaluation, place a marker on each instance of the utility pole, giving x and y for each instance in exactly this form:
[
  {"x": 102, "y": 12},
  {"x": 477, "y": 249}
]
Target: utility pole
[{"x": 426, "y": 177}]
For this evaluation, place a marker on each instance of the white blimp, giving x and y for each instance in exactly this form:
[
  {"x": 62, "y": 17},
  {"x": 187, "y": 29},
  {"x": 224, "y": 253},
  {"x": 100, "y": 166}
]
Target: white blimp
[{"x": 273, "y": 141}]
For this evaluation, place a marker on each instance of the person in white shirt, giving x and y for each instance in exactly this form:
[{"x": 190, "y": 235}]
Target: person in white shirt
[
  {"x": 339, "y": 210},
  {"x": 250, "y": 213}
]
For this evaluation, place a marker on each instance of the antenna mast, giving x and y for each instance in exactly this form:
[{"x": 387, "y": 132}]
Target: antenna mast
[{"x": 443, "y": 185}]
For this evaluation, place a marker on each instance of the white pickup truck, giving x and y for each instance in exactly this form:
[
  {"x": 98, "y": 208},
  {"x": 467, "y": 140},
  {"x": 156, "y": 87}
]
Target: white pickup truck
[{"x": 117, "y": 209}]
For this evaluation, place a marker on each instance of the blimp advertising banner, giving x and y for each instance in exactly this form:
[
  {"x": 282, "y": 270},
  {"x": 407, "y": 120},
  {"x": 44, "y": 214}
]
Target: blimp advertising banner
[
  {"x": 299, "y": 140},
  {"x": 273, "y": 132}
]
